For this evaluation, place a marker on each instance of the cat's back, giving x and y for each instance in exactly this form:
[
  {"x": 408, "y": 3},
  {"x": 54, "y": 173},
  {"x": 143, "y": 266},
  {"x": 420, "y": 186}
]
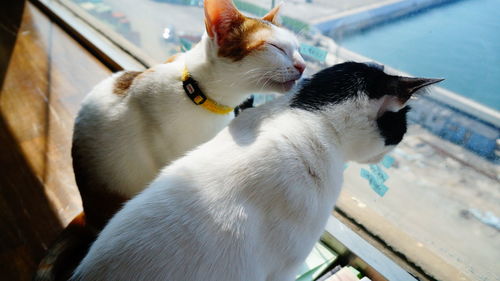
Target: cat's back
[
  {"x": 114, "y": 133},
  {"x": 108, "y": 120},
  {"x": 113, "y": 96},
  {"x": 209, "y": 210}
]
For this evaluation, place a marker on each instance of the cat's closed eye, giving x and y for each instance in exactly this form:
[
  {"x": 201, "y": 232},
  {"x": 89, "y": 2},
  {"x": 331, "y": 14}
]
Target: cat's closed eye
[{"x": 278, "y": 47}]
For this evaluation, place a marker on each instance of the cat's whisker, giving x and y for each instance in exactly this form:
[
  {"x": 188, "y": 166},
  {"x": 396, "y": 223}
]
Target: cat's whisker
[
  {"x": 268, "y": 79},
  {"x": 266, "y": 83},
  {"x": 252, "y": 74}
]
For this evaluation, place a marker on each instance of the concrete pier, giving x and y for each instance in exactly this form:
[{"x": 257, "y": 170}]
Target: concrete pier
[{"x": 369, "y": 15}]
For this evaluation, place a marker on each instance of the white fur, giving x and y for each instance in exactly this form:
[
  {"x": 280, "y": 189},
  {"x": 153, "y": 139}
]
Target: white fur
[
  {"x": 125, "y": 140},
  {"x": 247, "y": 205}
]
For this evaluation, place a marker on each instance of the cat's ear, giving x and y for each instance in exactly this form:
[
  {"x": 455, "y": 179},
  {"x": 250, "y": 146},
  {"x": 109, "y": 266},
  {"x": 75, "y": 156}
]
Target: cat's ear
[
  {"x": 220, "y": 18},
  {"x": 407, "y": 86},
  {"x": 272, "y": 16},
  {"x": 401, "y": 89}
]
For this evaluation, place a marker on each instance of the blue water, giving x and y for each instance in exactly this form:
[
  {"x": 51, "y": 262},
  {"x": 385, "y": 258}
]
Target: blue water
[{"x": 458, "y": 41}]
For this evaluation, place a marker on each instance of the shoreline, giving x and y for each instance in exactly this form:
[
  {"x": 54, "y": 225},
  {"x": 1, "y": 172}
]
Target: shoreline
[{"x": 372, "y": 15}]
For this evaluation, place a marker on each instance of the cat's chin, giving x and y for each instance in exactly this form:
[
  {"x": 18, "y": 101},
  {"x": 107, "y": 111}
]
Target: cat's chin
[{"x": 283, "y": 86}]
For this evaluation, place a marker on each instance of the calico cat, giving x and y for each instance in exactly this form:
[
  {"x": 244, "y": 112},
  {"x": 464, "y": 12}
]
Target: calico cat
[
  {"x": 250, "y": 203},
  {"x": 134, "y": 123}
]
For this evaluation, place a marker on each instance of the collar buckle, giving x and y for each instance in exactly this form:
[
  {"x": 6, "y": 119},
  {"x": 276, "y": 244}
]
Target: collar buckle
[{"x": 193, "y": 91}]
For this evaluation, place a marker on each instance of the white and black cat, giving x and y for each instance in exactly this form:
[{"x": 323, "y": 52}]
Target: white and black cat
[{"x": 250, "y": 203}]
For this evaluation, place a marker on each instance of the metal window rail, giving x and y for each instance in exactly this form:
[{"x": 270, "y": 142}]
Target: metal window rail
[{"x": 355, "y": 251}]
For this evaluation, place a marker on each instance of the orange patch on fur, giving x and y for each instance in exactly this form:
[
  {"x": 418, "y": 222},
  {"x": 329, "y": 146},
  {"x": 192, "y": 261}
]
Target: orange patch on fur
[
  {"x": 122, "y": 83},
  {"x": 242, "y": 40},
  {"x": 79, "y": 220},
  {"x": 145, "y": 73},
  {"x": 172, "y": 58}
]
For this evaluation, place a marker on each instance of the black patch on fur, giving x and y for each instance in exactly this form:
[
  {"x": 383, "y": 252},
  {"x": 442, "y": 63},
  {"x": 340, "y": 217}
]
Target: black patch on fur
[
  {"x": 341, "y": 82},
  {"x": 393, "y": 125},
  {"x": 248, "y": 103}
]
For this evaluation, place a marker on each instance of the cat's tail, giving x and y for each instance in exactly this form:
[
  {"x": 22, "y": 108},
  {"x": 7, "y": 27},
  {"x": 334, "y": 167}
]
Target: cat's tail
[{"x": 66, "y": 252}]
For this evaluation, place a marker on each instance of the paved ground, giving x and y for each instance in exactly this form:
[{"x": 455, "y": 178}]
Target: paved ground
[
  {"x": 156, "y": 16},
  {"x": 319, "y": 10},
  {"x": 435, "y": 188}
]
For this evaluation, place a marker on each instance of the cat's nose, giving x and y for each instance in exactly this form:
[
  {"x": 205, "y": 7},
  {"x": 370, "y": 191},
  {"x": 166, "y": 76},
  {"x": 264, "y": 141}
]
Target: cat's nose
[{"x": 300, "y": 66}]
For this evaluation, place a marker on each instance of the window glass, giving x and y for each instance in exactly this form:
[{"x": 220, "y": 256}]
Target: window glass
[{"x": 436, "y": 198}]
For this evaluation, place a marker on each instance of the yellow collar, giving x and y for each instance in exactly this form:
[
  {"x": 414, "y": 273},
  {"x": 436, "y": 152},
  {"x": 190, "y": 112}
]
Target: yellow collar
[{"x": 196, "y": 95}]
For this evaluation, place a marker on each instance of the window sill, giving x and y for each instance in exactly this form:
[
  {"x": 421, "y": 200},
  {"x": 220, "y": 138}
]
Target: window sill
[{"x": 114, "y": 52}]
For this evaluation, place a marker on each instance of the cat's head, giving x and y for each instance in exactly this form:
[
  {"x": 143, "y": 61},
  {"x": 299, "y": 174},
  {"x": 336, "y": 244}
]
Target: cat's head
[
  {"x": 258, "y": 53},
  {"x": 364, "y": 106}
]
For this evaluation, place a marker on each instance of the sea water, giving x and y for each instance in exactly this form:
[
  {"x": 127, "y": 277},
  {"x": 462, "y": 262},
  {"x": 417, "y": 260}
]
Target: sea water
[{"x": 459, "y": 41}]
